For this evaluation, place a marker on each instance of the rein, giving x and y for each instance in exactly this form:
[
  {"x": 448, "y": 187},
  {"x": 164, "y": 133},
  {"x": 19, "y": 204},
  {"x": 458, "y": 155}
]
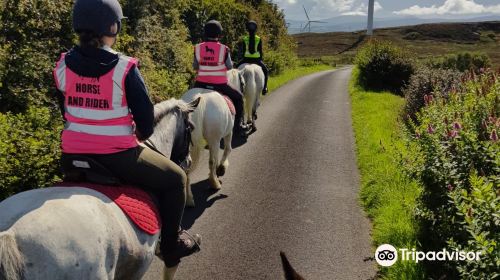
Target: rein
[{"x": 188, "y": 128}]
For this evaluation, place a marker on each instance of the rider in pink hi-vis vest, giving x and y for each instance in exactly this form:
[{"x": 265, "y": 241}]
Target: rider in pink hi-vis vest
[
  {"x": 211, "y": 57},
  {"x": 98, "y": 120},
  {"x": 212, "y": 60}
]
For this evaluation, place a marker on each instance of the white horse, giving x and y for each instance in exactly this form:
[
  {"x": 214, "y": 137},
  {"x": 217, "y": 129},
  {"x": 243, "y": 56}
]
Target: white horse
[
  {"x": 254, "y": 84},
  {"x": 213, "y": 121},
  {"x": 78, "y": 233}
]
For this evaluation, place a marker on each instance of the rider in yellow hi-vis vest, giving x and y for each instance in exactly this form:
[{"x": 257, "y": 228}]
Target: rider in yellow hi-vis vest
[{"x": 250, "y": 51}]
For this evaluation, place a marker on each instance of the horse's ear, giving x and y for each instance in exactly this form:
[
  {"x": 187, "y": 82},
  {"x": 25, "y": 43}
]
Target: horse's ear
[
  {"x": 290, "y": 273},
  {"x": 193, "y": 104}
]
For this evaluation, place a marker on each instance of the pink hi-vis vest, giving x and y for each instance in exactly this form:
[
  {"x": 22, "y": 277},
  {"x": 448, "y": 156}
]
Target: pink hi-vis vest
[
  {"x": 98, "y": 120},
  {"x": 212, "y": 65}
]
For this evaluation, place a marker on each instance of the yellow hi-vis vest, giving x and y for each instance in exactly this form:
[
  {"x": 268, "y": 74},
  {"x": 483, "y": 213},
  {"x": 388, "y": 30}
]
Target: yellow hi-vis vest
[{"x": 256, "y": 54}]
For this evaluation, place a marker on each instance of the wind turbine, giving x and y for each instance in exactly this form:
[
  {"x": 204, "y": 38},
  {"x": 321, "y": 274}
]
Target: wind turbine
[
  {"x": 309, "y": 21},
  {"x": 369, "y": 28}
]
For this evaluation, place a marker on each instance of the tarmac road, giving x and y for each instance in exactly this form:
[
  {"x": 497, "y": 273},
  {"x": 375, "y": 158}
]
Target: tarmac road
[{"x": 293, "y": 186}]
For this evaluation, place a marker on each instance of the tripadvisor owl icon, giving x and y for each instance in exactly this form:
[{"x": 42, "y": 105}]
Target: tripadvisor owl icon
[{"x": 386, "y": 255}]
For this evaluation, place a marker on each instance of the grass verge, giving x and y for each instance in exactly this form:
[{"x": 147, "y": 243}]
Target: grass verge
[
  {"x": 388, "y": 196},
  {"x": 279, "y": 80}
]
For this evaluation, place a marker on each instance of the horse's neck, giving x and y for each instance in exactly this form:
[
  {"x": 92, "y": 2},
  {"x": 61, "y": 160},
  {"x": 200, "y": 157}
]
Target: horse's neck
[{"x": 164, "y": 134}]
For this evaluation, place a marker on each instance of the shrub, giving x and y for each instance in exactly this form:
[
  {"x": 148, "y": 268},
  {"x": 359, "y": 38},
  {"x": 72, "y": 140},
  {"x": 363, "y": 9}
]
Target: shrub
[
  {"x": 279, "y": 61},
  {"x": 462, "y": 62},
  {"x": 427, "y": 81},
  {"x": 458, "y": 163},
  {"x": 383, "y": 66},
  {"x": 412, "y": 36},
  {"x": 30, "y": 150}
]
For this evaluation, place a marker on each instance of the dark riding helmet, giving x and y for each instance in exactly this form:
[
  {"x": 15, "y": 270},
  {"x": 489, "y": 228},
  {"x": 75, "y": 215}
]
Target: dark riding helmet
[
  {"x": 97, "y": 16},
  {"x": 251, "y": 26},
  {"x": 212, "y": 29}
]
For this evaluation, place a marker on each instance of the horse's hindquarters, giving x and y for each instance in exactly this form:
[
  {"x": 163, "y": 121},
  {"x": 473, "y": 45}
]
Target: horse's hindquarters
[{"x": 77, "y": 233}]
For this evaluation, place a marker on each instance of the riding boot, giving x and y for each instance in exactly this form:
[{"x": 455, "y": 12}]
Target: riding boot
[
  {"x": 240, "y": 128},
  {"x": 266, "y": 76},
  {"x": 173, "y": 248}
]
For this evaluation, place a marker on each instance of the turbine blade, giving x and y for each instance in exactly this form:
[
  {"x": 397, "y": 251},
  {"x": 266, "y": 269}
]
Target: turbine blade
[{"x": 306, "y": 12}]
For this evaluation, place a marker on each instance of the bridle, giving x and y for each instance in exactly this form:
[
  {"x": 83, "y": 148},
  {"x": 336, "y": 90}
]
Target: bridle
[{"x": 180, "y": 158}]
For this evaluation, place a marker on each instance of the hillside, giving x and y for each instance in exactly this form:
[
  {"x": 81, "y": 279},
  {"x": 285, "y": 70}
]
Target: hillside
[{"x": 424, "y": 40}]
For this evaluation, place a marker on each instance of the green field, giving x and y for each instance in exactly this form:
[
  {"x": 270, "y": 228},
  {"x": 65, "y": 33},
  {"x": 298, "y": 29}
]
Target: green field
[
  {"x": 426, "y": 40},
  {"x": 388, "y": 196}
]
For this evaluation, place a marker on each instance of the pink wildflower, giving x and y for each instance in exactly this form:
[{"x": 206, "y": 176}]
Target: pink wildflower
[
  {"x": 430, "y": 129},
  {"x": 494, "y": 136},
  {"x": 457, "y": 126}
]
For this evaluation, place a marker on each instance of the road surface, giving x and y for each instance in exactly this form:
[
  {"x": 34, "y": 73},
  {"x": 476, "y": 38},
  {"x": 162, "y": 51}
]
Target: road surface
[{"x": 292, "y": 187}]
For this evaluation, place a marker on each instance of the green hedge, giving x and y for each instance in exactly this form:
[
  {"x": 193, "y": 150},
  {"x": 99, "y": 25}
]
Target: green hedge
[
  {"x": 29, "y": 150},
  {"x": 458, "y": 162}
]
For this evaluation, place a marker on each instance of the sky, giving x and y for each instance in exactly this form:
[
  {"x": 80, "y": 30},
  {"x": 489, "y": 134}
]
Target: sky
[{"x": 322, "y": 9}]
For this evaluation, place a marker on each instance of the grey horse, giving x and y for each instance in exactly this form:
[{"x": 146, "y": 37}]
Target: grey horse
[{"x": 78, "y": 233}]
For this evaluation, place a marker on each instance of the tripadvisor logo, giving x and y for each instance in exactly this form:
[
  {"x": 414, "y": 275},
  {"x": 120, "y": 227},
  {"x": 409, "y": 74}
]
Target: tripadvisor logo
[{"x": 387, "y": 255}]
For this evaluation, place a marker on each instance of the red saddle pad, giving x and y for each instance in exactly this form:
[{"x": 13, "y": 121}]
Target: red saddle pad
[
  {"x": 230, "y": 104},
  {"x": 135, "y": 203}
]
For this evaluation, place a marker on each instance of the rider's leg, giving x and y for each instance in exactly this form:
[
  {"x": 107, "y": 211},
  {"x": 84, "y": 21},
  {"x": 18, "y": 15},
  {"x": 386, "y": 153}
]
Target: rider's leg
[
  {"x": 154, "y": 172},
  {"x": 266, "y": 75}
]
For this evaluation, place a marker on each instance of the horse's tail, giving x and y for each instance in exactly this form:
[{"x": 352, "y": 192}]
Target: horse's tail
[
  {"x": 11, "y": 260},
  {"x": 197, "y": 134}
]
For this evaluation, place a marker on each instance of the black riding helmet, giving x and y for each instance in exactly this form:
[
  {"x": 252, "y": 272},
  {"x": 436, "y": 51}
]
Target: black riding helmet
[
  {"x": 251, "y": 26},
  {"x": 97, "y": 16},
  {"x": 212, "y": 29}
]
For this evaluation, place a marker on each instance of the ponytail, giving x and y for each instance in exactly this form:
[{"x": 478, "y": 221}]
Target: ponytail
[
  {"x": 90, "y": 40},
  {"x": 251, "y": 42}
]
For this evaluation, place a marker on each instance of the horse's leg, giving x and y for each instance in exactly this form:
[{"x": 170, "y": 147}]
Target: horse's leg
[
  {"x": 189, "y": 193},
  {"x": 221, "y": 169},
  {"x": 248, "y": 108},
  {"x": 195, "y": 156},
  {"x": 169, "y": 272},
  {"x": 213, "y": 162}
]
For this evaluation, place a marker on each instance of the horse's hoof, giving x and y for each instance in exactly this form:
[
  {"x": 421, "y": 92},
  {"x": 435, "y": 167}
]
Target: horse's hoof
[
  {"x": 221, "y": 170},
  {"x": 215, "y": 184}
]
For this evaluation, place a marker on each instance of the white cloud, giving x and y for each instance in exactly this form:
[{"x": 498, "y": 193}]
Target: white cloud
[
  {"x": 315, "y": 8},
  {"x": 450, "y": 7},
  {"x": 362, "y": 10}
]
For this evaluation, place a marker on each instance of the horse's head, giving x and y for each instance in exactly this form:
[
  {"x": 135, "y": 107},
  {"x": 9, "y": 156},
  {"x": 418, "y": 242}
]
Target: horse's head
[
  {"x": 182, "y": 140},
  {"x": 172, "y": 135}
]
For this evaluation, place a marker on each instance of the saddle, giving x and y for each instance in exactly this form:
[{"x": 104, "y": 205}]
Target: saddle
[
  {"x": 229, "y": 102},
  {"x": 139, "y": 206}
]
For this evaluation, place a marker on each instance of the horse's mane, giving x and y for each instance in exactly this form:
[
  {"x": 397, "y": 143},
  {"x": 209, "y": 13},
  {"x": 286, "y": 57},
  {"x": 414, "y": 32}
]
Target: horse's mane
[{"x": 168, "y": 106}]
